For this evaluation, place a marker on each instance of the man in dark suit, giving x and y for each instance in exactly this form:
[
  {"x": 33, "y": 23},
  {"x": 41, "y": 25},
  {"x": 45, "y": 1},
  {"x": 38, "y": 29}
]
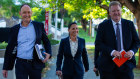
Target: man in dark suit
[
  {"x": 114, "y": 35},
  {"x": 72, "y": 50},
  {"x": 23, "y": 38}
]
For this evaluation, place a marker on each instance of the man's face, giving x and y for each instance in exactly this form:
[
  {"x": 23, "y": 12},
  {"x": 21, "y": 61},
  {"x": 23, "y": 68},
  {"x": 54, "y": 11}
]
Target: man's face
[
  {"x": 115, "y": 13},
  {"x": 73, "y": 31},
  {"x": 26, "y": 13}
]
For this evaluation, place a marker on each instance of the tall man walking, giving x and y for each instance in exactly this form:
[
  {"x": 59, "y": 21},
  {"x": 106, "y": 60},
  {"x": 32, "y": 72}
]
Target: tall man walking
[
  {"x": 23, "y": 37},
  {"x": 114, "y": 35}
]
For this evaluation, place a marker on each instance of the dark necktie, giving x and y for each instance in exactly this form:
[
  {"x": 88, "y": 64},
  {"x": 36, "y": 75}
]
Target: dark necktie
[{"x": 118, "y": 38}]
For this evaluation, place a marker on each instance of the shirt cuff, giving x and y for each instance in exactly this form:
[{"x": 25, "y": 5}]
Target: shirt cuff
[
  {"x": 112, "y": 52},
  {"x": 132, "y": 52}
]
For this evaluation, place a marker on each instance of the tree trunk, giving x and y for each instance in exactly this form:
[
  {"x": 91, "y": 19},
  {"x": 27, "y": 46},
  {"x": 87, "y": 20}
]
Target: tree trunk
[
  {"x": 84, "y": 24},
  {"x": 108, "y": 14},
  {"x": 134, "y": 7},
  {"x": 138, "y": 24},
  {"x": 138, "y": 66},
  {"x": 90, "y": 27},
  {"x": 62, "y": 11}
]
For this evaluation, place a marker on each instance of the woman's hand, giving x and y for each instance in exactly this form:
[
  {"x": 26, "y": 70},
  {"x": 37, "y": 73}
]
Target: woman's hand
[{"x": 59, "y": 73}]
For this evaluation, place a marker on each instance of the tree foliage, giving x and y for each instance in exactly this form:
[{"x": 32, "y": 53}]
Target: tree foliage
[
  {"x": 9, "y": 8},
  {"x": 80, "y": 8},
  {"x": 38, "y": 14}
]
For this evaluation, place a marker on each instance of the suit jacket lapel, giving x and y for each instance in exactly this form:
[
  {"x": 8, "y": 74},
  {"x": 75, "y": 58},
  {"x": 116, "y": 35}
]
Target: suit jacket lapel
[
  {"x": 36, "y": 30},
  {"x": 17, "y": 31},
  {"x": 68, "y": 46},
  {"x": 78, "y": 46},
  {"x": 112, "y": 31},
  {"x": 123, "y": 32},
  {"x": 112, "y": 28}
]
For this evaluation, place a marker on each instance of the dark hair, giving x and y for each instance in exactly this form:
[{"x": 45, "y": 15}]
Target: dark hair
[
  {"x": 112, "y": 3},
  {"x": 69, "y": 26},
  {"x": 23, "y": 5}
]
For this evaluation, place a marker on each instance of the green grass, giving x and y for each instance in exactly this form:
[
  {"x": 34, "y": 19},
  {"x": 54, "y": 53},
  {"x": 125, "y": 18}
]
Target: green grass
[
  {"x": 3, "y": 45},
  {"x": 136, "y": 73},
  {"x": 85, "y": 35},
  {"x": 137, "y": 57},
  {"x": 90, "y": 50},
  {"x": 52, "y": 41}
]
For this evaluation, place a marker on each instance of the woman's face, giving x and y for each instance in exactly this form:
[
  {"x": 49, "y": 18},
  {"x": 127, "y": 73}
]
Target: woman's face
[{"x": 73, "y": 31}]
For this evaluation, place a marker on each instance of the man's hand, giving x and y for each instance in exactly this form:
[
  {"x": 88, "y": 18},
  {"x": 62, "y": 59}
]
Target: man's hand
[
  {"x": 47, "y": 57},
  {"x": 94, "y": 69},
  {"x": 117, "y": 54},
  {"x": 86, "y": 70},
  {"x": 128, "y": 54},
  {"x": 59, "y": 73},
  {"x": 5, "y": 73}
]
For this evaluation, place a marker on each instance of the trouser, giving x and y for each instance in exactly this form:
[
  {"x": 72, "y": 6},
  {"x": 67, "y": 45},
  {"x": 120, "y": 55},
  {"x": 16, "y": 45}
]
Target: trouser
[
  {"x": 24, "y": 70},
  {"x": 72, "y": 77},
  {"x": 117, "y": 73}
]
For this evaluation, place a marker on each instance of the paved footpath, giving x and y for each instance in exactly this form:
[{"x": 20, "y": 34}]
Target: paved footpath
[{"x": 51, "y": 72}]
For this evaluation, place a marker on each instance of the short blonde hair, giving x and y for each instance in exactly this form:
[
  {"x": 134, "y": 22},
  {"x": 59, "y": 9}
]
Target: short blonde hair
[{"x": 112, "y": 3}]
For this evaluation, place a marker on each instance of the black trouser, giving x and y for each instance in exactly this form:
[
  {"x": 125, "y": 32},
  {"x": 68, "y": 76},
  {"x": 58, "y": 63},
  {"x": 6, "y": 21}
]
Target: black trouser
[
  {"x": 117, "y": 73},
  {"x": 74, "y": 76},
  {"x": 24, "y": 70}
]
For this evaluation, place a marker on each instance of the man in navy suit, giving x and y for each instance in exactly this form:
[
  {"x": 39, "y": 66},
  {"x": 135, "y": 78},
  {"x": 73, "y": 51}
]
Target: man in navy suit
[
  {"x": 23, "y": 38},
  {"x": 72, "y": 50},
  {"x": 114, "y": 35}
]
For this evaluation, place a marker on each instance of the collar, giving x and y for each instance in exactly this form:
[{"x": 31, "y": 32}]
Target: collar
[
  {"x": 74, "y": 41},
  {"x": 31, "y": 22},
  {"x": 114, "y": 23}
]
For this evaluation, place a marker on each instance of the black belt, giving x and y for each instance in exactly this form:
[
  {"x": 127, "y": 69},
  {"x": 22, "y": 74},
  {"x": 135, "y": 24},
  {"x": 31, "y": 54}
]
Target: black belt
[{"x": 25, "y": 60}]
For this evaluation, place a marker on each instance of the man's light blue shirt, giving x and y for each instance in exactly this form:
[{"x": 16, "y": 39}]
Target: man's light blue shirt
[{"x": 26, "y": 41}]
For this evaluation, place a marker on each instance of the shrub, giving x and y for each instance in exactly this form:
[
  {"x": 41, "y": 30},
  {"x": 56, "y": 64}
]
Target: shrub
[{"x": 53, "y": 42}]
